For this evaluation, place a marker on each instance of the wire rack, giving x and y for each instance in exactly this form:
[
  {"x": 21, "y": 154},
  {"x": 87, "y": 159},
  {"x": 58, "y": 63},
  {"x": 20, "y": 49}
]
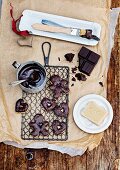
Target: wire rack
[{"x": 35, "y": 107}]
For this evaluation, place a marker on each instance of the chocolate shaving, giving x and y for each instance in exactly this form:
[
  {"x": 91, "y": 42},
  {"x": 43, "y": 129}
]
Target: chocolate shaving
[
  {"x": 73, "y": 79},
  {"x": 101, "y": 83},
  {"x": 74, "y": 69}
]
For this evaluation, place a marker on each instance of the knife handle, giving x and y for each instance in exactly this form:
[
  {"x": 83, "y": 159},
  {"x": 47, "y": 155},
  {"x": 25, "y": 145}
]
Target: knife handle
[{"x": 50, "y": 28}]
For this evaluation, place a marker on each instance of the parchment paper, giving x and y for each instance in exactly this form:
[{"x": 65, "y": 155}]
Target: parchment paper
[{"x": 10, "y": 122}]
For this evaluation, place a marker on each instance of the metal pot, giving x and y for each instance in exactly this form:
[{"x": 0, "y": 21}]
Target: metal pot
[{"x": 20, "y": 67}]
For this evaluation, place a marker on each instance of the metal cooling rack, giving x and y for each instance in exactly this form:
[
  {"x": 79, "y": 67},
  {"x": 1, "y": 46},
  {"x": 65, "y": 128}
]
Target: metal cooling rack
[{"x": 35, "y": 107}]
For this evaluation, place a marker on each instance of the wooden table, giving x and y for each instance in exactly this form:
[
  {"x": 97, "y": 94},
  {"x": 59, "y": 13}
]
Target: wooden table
[{"x": 105, "y": 157}]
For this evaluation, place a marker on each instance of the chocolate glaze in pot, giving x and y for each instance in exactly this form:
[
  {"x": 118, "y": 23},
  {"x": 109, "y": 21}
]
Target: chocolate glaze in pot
[{"x": 33, "y": 74}]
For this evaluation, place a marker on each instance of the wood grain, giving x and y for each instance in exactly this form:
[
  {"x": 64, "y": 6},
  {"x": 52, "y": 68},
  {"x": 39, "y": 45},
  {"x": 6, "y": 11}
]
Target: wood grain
[{"x": 105, "y": 157}]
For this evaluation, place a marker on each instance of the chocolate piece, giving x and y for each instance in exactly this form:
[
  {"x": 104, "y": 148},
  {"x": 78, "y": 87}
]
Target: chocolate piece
[
  {"x": 48, "y": 104},
  {"x": 101, "y": 83},
  {"x": 72, "y": 85},
  {"x": 73, "y": 79},
  {"x": 89, "y": 34},
  {"x": 81, "y": 77},
  {"x": 59, "y": 58},
  {"x": 61, "y": 110},
  {"x": 87, "y": 60},
  {"x": 21, "y": 106},
  {"x": 38, "y": 126},
  {"x": 58, "y": 127},
  {"x": 74, "y": 69},
  {"x": 69, "y": 57}
]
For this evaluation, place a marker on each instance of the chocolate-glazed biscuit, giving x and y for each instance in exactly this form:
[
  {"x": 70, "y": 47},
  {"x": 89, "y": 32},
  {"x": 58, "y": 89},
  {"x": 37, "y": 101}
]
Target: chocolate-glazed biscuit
[
  {"x": 55, "y": 79},
  {"x": 38, "y": 126},
  {"x": 21, "y": 106},
  {"x": 58, "y": 127},
  {"x": 61, "y": 110},
  {"x": 64, "y": 85},
  {"x": 48, "y": 104},
  {"x": 58, "y": 86}
]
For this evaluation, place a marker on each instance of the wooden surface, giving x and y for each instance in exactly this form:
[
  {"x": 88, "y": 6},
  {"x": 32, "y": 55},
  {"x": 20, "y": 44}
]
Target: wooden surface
[{"x": 105, "y": 157}]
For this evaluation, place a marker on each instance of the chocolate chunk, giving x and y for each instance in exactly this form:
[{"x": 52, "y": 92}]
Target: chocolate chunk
[
  {"x": 59, "y": 58},
  {"x": 72, "y": 85},
  {"x": 38, "y": 126},
  {"x": 48, "y": 104},
  {"x": 21, "y": 106},
  {"x": 69, "y": 57},
  {"x": 61, "y": 110},
  {"x": 87, "y": 68},
  {"x": 73, "y": 79},
  {"x": 87, "y": 60},
  {"x": 101, "y": 83},
  {"x": 74, "y": 69},
  {"x": 58, "y": 127},
  {"x": 89, "y": 34},
  {"x": 81, "y": 77}
]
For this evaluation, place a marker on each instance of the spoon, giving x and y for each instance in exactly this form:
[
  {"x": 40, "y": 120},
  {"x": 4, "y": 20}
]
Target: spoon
[{"x": 15, "y": 83}]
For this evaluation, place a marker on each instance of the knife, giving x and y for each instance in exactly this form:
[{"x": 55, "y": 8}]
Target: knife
[{"x": 49, "y": 26}]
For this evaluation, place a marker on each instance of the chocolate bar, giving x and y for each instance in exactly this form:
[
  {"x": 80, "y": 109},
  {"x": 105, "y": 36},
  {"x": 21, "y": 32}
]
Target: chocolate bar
[{"x": 87, "y": 60}]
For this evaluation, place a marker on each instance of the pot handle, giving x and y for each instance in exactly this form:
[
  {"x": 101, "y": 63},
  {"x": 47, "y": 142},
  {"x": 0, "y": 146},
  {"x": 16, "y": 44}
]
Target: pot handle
[
  {"x": 46, "y": 57},
  {"x": 16, "y": 64}
]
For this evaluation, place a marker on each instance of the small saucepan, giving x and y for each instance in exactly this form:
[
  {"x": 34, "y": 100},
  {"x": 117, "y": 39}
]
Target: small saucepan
[{"x": 33, "y": 73}]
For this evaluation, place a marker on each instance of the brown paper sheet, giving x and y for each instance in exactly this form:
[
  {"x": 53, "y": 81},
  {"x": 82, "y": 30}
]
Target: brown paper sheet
[{"x": 91, "y": 10}]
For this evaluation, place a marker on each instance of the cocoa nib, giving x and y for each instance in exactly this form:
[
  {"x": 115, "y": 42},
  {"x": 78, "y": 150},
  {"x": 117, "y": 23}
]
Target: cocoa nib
[
  {"x": 80, "y": 77},
  {"x": 69, "y": 56}
]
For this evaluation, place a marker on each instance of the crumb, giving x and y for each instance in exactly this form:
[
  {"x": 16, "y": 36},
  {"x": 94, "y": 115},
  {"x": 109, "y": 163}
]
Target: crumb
[
  {"x": 101, "y": 83},
  {"x": 74, "y": 69},
  {"x": 73, "y": 79},
  {"x": 69, "y": 56},
  {"x": 59, "y": 58},
  {"x": 81, "y": 77}
]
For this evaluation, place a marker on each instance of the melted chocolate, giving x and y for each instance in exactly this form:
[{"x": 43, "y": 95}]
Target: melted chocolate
[{"x": 33, "y": 74}]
